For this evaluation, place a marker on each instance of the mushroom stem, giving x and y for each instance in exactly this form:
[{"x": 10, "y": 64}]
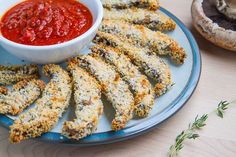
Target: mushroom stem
[{"x": 227, "y": 7}]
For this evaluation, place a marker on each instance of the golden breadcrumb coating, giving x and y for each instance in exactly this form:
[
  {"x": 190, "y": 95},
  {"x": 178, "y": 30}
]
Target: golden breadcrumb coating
[
  {"x": 89, "y": 107},
  {"x": 155, "y": 42},
  {"x": 47, "y": 110},
  {"x": 113, "y": 87},
  {"x": 23, "y": 94},
  {"x": 122, "y": 4},
  {"x": 3, "y": 90},
  {"x": 144, "y": 95},
  {"x": 152, "y": 65},
  {"x": 13, "y": 74},
  {"x": 153, "y": 20}
]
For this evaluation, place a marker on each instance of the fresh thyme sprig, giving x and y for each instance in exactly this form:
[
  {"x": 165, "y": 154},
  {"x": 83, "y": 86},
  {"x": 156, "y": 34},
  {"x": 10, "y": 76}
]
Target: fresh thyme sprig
[
  {"x": 222, "y": 106},
  {"x": 198, "y": 123},
  {"x": 189, "y": 133}
]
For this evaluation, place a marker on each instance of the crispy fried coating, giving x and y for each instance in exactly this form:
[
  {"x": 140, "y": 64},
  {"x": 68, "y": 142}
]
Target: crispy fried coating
[
  {"x": 23, "y": 94},
  {"x": 113, "y": 87},
  {"x": 153, "y": 20},
  {"x": 122, "y": 4},
  {"x": 13, "y": 74},
  {"x": 47, "y": 110},
  {"x": 154, "y": 42},
  {"x": 152, "y": 65},
  {"x": 144, "y": 95},
  {"x": 89, "y": 107},
  {"x": 3, "y": 91}
]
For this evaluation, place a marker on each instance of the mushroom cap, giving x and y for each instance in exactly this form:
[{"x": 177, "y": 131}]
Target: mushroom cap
[{"x": 220, "y": 36}]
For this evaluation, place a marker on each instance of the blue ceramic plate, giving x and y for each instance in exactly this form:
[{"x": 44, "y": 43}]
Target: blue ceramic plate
[{"x": 185, "y": 78}]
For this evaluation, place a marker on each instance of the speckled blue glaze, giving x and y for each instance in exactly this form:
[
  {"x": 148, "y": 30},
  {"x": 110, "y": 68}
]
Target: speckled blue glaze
[{"x": 146, "y": 124}]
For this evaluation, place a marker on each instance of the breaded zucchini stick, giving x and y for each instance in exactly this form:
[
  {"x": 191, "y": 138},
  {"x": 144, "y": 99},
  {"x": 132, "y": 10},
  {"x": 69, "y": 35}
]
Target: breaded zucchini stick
[
  {"x": 47, "y": 110},
  {"x": 144, "y": 95},
  {"x": 23, "y": 94},
  {"x": 122, "y": 4},
  {"x": 89, "y": 107},
  {"x": 113, "y": 87},
  {"x": 152, "y": 65},
  {"x": 153, "y": 20},
  {"x": 155, "y": 42},
  {"x": 13, "y": 74}
]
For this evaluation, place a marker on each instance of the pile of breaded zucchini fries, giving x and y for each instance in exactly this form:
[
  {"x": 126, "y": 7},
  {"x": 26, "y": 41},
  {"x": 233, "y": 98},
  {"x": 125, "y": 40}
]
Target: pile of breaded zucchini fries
[{"x": 128, "y": 54}]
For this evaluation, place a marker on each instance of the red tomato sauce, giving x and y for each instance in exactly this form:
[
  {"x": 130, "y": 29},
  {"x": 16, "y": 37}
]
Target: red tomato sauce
[{"x": 45, "y": 22}]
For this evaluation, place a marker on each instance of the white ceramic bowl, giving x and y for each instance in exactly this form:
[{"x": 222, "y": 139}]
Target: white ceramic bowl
[{"x": 58, "y": 52}]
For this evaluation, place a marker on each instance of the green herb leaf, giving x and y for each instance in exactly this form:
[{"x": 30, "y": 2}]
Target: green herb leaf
[
  {"x": 198, "y": 123},
  {"x": 222, "y": 106},
  {"x": 189, "y": 133}
]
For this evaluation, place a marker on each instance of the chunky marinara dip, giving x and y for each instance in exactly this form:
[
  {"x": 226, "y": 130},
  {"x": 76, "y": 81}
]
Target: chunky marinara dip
[{"x": 45, "y": 22}]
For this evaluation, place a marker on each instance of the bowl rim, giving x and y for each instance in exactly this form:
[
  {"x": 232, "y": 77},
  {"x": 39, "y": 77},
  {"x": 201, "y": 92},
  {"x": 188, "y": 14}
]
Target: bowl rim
[{"x": 89, "y": 32}]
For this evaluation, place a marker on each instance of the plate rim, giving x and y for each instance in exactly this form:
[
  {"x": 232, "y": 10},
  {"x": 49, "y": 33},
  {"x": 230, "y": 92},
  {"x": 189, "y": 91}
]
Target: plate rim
[{"x": 111, "y": 136}]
